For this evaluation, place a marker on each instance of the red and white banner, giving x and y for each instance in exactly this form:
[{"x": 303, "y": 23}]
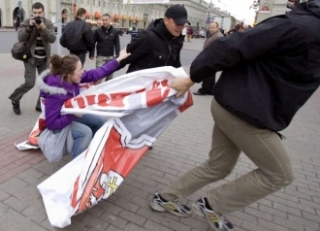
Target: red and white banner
[{"x": 139, "y": 106}]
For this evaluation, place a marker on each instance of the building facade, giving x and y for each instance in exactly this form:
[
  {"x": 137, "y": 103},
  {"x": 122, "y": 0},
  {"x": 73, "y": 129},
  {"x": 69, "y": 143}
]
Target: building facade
[
  {"x": 269, "y": 8},
  {"x": 124, "y": 15}
]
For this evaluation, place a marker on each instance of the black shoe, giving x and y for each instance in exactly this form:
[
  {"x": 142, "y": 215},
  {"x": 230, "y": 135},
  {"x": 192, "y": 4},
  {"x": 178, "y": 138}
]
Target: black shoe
[
  {"x": 198, "y": 93},
  {"x": 38, "y": 108},
  {"x": 150, "y": 148},
  {"x": 16, "y": 107}
]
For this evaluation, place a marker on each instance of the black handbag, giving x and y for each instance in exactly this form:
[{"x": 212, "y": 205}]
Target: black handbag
[{"x": 21, "y": 50}]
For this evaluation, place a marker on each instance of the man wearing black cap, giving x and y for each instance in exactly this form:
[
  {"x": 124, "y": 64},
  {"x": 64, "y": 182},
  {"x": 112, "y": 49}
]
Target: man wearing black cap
[{"x": 160, "y": 44}]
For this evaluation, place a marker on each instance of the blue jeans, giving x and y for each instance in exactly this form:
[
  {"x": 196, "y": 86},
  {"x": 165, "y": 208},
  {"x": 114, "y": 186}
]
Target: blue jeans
[{"x": 83, "y": 129}]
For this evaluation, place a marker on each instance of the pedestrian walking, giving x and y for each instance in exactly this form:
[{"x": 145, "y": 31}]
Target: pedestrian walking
[
  {"x": 78, "y": 37},
  {"x": 106, "y": 42}
]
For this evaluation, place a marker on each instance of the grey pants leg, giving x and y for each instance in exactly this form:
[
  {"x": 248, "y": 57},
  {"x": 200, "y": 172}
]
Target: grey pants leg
[
  {"x": 42, "y": 65},
  {"x": 100, "y": 61},
  {"x": 230, "y": 135},
  {"x": 30, "y": 79}
]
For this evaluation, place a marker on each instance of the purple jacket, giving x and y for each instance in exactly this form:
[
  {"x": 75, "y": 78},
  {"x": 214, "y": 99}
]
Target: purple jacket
[{"x": 56, "y": 92}]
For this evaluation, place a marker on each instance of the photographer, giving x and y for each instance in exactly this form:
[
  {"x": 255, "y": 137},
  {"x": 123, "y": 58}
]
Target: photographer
[{"x": 37, "y": 32}]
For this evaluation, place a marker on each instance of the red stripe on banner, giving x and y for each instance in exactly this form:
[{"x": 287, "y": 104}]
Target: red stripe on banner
[
  {"x": 34, "y": 137},
  {"x": 113, "y": 157},
  {"x": 155, "y": 96},
  {"x": 85, "y": 85},
  {"x": 105, "y": 101},
  {"x": 90, "y": 99},
  {"x": 68, "y": 103},
  {"x": 74, "y": 200},
  {"x": 80, "y": 101},
  {"x": 187, "y": 104}
]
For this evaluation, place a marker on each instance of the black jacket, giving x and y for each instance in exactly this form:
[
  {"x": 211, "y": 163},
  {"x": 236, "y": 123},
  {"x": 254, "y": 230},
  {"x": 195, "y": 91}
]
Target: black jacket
[
  {"x": 107, "y": 41},
  {"x": 77, "y": 37},
  {"x": 154, "y": 47},
  {"x": 269, "y": 71}
]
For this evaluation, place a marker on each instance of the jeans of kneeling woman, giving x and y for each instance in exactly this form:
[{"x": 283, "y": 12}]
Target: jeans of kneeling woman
[{"x": 83, "y": 129}]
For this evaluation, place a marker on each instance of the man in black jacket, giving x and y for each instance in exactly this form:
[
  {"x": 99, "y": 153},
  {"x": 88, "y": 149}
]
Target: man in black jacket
[
  {"x": 78, "y": 36},
  {"x": 160, "y": 44},
  {"x": 108, "y": 43},
  {"x": 269, "y": 72}
]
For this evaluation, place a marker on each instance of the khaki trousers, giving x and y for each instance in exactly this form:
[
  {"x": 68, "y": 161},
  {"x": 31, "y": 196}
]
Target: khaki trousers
[
  {"x": 230, "y": 136},
  {"x": 101, "y": 60}
]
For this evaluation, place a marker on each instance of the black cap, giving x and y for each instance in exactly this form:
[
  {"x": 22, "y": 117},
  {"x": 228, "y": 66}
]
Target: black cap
[{"x": 178, "y": 13}]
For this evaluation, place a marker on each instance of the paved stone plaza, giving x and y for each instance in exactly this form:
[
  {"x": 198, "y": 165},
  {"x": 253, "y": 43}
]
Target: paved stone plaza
[{"x": 182, "y": 146}]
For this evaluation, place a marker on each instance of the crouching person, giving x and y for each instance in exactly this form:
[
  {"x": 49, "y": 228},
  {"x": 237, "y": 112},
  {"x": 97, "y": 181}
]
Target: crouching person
[{"x": 61, "y": 83}]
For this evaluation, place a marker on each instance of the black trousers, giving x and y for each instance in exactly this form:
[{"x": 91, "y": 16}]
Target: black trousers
[
  {"x": 208, "y": 85},
  {"x": 81, "y": 56}
]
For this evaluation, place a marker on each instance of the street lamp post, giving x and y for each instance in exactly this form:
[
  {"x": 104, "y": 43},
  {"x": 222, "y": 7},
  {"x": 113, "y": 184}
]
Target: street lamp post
[
  {"x": 59, "y": 26},
  {"x": 18, "y": 20}
]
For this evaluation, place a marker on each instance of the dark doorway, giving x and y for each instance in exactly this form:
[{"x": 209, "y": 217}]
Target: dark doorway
[
  {"x": 0, "y": 18},
  {"x": 18, "y": 15}
]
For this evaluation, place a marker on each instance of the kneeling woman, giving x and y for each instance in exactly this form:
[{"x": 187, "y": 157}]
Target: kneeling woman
[{"x": 61, "y": 83}]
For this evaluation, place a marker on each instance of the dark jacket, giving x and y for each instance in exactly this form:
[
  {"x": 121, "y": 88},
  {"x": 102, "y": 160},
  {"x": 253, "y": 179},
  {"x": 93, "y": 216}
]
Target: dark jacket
[
  {"x": 77, "y": 37},
  {"x": 154, "y": 47},
  {"x": 106, "y": 41},
  {"x": 28, "y": 34},
  {"x": 56, "y": 92},
  {"x": 269, "y": 71}
]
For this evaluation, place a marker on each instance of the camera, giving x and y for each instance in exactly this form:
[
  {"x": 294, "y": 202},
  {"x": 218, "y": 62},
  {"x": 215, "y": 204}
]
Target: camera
[{"x": 38, "y": 20}]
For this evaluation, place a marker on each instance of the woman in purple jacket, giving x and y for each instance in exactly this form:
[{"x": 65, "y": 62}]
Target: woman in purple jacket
[{"x": 61, "y": 83}]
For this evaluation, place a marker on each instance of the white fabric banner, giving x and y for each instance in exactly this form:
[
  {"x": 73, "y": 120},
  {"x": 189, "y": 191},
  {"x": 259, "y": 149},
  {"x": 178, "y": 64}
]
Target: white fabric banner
[{"x": 139, "y": 106}]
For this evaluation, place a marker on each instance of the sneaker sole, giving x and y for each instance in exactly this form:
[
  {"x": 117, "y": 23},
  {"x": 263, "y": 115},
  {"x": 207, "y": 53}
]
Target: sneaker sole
[
  {"x": 157, "y": 207},
  {"x": 197, "y": 210},
  {"x": 160, "y": 209}
]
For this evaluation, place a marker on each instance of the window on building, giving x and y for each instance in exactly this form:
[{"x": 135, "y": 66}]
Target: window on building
[
  {"x": 99, "y": 3},
  {"x": 81, "y": 1},
  {"x": 104, "y": 3},
  {"x": 88, "y": 2},
  {"x": 113, "y": 6},
  {"x": 94, "y": 2}
]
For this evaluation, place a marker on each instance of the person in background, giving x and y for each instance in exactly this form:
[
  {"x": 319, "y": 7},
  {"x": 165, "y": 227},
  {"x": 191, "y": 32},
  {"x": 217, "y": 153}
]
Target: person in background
[
  {"x": 38, "y": 32},
  {"x": 208, "y": 84},
  {"x": 107, "y": 42},
  {"x": 78, "y": 37},
  {"x": 60, "y": 84},
  {"x": 134, "y": 32},
  {"x": 15, "y": 24},
  {"x": 189, "y": 33},
  {"x": 184, "y": 32},
  {"x": 160, "y": 44},
  {"x": 235, "y": 29}
]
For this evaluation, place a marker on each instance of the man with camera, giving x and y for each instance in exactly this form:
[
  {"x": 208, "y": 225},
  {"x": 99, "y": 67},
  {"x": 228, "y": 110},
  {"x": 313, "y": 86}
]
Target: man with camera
[{"x": 37, "y": 32}]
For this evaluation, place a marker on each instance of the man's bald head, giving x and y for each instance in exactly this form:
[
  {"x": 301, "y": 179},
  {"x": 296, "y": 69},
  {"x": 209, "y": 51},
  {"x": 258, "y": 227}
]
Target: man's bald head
[{"x": 214, "y": 27}]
